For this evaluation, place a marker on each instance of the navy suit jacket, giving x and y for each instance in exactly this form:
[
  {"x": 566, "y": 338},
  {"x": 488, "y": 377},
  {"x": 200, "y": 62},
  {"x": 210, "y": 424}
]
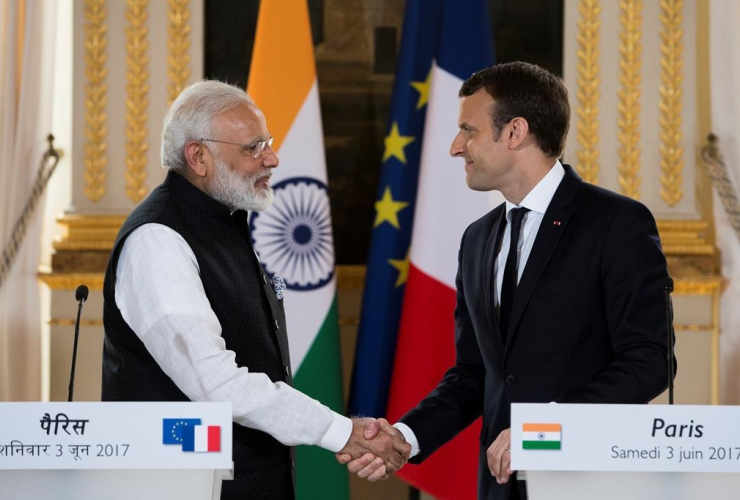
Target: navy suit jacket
[{"x": 588, "y": 320}]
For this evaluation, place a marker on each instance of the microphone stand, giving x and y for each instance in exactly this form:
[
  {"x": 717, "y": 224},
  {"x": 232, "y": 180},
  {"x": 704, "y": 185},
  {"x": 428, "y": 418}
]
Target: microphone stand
[
  {"x": 81, "y": 296},
  {"x": 671, "y": 336}
]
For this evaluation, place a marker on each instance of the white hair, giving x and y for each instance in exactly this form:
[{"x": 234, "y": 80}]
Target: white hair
[{"x": 190, "y": 118}]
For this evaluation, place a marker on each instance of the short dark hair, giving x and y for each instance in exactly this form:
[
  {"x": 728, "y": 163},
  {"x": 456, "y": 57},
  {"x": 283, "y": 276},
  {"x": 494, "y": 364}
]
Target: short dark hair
[{"x": 526, "y": 90}]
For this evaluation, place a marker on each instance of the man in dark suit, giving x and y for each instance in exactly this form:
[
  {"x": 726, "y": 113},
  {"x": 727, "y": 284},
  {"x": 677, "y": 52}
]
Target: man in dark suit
[{"x": 560, "y": 290}]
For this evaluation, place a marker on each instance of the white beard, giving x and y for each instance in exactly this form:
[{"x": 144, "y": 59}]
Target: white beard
[{"x": 239, "y": 191}]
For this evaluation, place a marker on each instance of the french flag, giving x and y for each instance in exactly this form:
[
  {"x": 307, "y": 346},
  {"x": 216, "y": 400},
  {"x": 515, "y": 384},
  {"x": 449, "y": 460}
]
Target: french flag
[{"x": 201, "y": 438}]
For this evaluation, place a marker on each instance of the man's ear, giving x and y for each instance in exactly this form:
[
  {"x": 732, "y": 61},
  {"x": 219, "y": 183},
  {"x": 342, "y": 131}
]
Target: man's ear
[
  {"x": 195, "y": 157},
  {"x": 518, "y": 130}
]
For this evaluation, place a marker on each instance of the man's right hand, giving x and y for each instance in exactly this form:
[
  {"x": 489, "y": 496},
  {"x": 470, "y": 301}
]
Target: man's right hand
[{"x": 386, "y": 449}]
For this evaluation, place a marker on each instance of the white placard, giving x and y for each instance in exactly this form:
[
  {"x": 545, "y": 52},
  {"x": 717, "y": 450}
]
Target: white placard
[
  {"x": 115, "y": 436},
  {"x": 560, "y": 437}
]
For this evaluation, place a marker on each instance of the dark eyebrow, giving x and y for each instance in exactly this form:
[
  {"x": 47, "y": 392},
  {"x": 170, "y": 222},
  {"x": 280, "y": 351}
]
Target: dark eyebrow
[{"x": 466, "y": 126}]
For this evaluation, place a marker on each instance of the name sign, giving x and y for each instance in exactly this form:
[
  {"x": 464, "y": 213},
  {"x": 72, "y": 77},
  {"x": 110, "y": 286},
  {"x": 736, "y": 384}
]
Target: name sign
[
  {"x": 115, "y": 436},
  {"x": 658, "y": 438}
]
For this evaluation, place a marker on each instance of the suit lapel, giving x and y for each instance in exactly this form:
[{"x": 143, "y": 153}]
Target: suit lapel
[
  {"x": 280, "y": 327},
  {"x": 489, "y": 282},
  {"x": 548, "y": 236},
  {"x": 276, "y": 307}
]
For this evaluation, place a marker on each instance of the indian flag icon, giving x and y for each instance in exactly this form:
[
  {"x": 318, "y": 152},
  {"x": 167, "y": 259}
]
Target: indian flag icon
[{"x": 541, "y": 436}]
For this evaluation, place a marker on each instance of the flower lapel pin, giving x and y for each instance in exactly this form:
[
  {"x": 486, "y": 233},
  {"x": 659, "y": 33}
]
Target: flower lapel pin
[{"x": 278, "y": 284}]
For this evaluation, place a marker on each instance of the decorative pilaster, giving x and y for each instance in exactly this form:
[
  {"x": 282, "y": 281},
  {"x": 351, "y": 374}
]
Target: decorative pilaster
[
  {"x": 630, "y": 66},
  {"x": 587, "y": 112},
  {"x": 671, "y": 101},
  {"x": 96, "y": 88},
  {"x": 137, "y": 101}
]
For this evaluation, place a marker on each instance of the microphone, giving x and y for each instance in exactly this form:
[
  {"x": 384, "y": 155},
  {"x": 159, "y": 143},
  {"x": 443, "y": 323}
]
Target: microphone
[
  {"x": 80, "y": 296},
  {"x": 671, "y": 336}
]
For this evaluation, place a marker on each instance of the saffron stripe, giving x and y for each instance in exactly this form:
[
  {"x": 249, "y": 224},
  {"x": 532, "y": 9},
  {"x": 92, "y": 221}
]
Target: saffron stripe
[{"x": 541, "y": 427}]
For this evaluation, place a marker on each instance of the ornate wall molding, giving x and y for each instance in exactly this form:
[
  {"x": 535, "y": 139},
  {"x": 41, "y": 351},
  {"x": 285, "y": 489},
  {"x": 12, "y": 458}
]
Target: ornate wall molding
[
  {"x": 137, "y": 102},
  {"x": 96, "y": 100},
  {"x": 671, "y": 101},
  {"x": 589, "y": 81},
  {"x": 70, "y": 281},
  {"x": 686, "y": 237},
  {"x": 89, "y": 232},
  {"x": 630, "y": 68},
  {"x": 699, "y": 285},
  {"x": 71, "y": 322},
  {"x": 178, "y": 44}
]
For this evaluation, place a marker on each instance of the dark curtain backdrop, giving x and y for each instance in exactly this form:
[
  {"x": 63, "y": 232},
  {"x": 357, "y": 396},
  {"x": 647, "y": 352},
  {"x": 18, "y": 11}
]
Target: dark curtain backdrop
[{"x": 355, "y": 124}]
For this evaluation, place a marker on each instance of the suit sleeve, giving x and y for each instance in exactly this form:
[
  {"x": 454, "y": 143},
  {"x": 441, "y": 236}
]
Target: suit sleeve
[
  {"x": 633, "y": 275},
  {"x": 458, "y": 399}
]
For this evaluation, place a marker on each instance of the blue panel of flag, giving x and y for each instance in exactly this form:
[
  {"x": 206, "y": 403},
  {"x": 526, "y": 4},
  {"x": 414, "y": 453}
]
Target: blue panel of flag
[{"x": 172, "y": 429}]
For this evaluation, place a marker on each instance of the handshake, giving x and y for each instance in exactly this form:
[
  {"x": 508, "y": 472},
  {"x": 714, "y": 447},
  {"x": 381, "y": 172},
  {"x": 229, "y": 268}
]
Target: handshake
[{"x": 375, "y": 449}]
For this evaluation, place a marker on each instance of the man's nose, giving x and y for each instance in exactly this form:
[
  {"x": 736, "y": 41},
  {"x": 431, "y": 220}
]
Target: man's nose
[
  {"x": 270, "y": 158},
  {"x": 457, "y": 147}
]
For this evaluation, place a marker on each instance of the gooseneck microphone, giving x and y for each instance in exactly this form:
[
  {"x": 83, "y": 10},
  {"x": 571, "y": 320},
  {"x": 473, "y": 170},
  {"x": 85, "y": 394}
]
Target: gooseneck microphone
[
  {"x": 80, "y": 296},
  {"x": 671, "y": 336}
]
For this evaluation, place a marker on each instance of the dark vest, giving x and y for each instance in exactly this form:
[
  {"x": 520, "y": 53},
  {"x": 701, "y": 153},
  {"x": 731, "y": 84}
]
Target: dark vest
[{"x": 251, "y": 317}]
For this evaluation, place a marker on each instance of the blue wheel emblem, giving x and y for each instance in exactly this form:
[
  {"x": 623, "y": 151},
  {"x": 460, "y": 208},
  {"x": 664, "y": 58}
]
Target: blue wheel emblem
[{"x": 293, "y": 237}]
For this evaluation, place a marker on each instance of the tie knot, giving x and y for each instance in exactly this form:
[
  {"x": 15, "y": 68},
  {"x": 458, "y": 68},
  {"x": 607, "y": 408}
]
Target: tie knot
[{"x": 517, "y": 214}]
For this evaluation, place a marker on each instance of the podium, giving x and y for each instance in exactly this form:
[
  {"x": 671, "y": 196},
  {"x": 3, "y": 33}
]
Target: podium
[
  {"x": 115, "y": 450},
  {"x": 626, "y": 451}
]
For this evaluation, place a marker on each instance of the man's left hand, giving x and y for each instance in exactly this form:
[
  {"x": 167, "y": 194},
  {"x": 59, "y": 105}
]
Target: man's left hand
[{"x": 499, "y": 457}]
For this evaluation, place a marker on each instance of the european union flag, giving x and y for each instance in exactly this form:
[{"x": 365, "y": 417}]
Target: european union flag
[
  {"x": 172, "y": 429},
  {"x": 427, "y": 33},
  {"x": 387, "y": 265}
]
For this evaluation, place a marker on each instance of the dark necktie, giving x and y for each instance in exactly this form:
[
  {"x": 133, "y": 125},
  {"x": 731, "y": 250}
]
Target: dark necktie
[{"x": 508, "y": 288}]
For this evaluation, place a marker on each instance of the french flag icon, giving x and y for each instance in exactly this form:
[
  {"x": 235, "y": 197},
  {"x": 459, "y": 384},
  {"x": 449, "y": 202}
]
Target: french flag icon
[{"x": 201, "y": 438}]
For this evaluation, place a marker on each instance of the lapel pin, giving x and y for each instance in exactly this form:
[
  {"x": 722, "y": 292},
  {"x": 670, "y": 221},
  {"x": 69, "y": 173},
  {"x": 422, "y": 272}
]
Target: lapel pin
[
  {"x": 556, "y": 222},
  {"x": 278, "y": 284}
]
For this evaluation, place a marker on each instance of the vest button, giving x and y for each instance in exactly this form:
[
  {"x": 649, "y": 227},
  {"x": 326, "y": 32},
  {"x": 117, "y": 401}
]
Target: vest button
[
  {"x": 264, "y": 279},
  {"x": 277, "y": 326},
  {"x": 287, "y": 371},
  {"x": 510, "y": 380}
]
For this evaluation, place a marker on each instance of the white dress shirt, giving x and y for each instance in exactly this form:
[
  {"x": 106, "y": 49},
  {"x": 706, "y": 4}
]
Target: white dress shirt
[
  {"x": 537, "y": 201},
  {"x": 160, "y": 295}
]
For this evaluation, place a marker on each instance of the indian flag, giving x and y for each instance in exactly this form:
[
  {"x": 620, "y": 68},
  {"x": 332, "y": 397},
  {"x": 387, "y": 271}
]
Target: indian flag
[
  {"x": 541, "y": 436},
  {"x": 293, "y": 238}
]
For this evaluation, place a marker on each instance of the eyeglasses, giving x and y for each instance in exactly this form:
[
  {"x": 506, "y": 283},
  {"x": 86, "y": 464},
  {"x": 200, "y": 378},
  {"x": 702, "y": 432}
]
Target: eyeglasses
[{"x": 257, "y": 149}]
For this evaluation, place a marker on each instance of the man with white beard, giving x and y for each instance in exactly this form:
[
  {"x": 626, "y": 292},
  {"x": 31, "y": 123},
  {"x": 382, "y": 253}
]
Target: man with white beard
[{"x": 189, "y": 313}]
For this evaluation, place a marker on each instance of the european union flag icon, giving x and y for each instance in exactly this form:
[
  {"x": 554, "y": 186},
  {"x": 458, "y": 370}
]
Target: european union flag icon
[{"x": 172, "y": 429}]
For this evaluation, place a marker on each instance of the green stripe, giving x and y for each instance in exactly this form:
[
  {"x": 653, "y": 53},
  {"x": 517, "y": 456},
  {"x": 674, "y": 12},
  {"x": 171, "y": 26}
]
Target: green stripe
[
  {"x": 541, "y": 445},
  {"x": 318, "y": 474}
]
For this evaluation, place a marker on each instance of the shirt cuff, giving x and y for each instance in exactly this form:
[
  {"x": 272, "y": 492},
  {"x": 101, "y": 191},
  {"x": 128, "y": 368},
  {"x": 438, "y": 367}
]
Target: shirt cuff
[
  {"x": 338, "y": 434},
  {"x": 409, "y": 436}
]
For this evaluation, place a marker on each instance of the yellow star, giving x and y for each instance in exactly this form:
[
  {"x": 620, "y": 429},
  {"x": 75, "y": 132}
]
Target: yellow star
[
  {"x": 423, "y": 89},
  {"x": 388, "y": 209},
  {"x": 403, "y": 269},
  {"x": 395, "y": 142}
]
